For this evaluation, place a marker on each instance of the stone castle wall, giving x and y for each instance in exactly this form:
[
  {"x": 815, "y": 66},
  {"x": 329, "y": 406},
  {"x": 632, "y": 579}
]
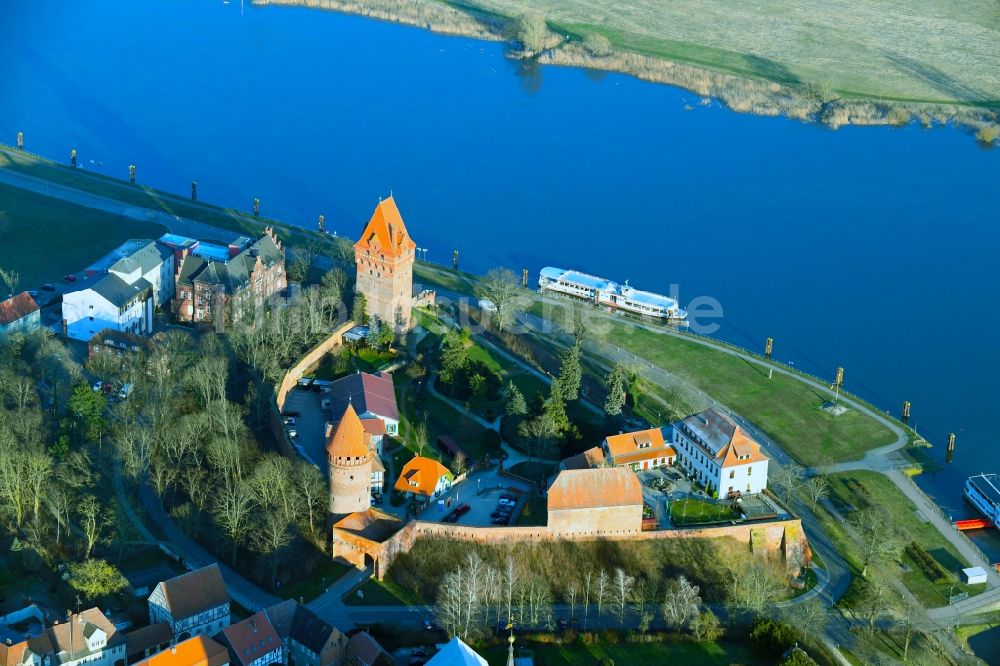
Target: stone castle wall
[
  {"x": 388, "y": 287},
  {"x": 779, "y": 536}
]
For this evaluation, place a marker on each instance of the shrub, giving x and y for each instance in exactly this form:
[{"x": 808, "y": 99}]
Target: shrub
[
  {"x": 988, "y": 134},
  {"x": 770, "y": 638},
  {"x": 530, "y": 30},
  {"x": 898, "y": 116},
  {"x": 597, "y": 45},
  {"x": 926, "y": 562}
]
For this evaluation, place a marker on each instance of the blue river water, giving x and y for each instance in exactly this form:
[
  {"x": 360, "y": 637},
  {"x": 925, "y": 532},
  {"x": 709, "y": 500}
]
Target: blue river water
[{"x": 868, "y": 248}]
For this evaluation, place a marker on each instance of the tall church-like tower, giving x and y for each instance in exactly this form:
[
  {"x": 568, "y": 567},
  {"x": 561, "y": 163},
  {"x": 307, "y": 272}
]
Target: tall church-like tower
[
  {"x": 350, "y": 465},
  {"x": 384, "y": 257}
]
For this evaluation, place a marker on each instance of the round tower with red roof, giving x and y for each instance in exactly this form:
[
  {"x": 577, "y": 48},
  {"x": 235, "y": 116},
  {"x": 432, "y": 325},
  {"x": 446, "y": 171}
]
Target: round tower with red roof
[{"x": 350, "y": 458}]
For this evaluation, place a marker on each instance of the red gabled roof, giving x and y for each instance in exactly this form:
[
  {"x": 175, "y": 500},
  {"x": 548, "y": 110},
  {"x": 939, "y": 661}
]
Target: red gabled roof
[
  {"x": 17, "y": 307},
  {"x": 385, "y": 232}
]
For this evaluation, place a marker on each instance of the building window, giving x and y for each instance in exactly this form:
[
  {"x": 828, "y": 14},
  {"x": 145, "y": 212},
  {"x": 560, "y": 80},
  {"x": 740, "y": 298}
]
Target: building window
[
  {"x": 749, "y": 471},
  {"x": 732, "y": 474}
]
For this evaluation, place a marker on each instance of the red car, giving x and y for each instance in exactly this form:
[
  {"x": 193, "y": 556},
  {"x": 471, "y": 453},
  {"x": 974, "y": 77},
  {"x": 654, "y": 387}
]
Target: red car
[
  {"x": 69, "y": 278},
  {"x": 462, "y": 509}
]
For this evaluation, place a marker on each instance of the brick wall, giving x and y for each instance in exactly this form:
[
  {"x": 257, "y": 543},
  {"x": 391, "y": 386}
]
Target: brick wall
[{"x": 778, "y": 536}]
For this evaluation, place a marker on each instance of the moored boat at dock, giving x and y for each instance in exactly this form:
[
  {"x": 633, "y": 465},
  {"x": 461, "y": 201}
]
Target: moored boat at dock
[
  {"x": 607, "y": 293},
  {"x": 983, "y": 492}
]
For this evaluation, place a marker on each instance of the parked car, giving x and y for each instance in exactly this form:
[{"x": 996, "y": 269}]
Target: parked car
[
  {"x": 305, "y": 382},
  {"x": 34, "y": 294},
  {"x": 506, "y": 502},
  {"x": 500, "y": 520},
  {"x": 431, "y": 625},
  {"x": 462, "y": 509},
  {"x": 417, "y": 661},
  {"x": 69, "y": 277},
  {"x": 125, "y": 391},
  {"x": 293, "y": 433},
  {"x": 509, "y": 498},
  {"x": 48, "y": 287},
  {"x": 419, "y": 652},
  {"x": 97, "y": 386},
  {"x": 291, "y": 413},
  {"x": 289, "y": 420}
]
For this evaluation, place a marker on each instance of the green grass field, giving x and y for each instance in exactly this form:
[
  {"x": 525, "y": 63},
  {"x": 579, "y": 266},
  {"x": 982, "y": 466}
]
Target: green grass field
[
  {"x": 381, "y": 593},
  {"x": 696, "y": 511},
  {"x": 917, "y": 50},
  {"x": 689, "y": 654},
  {"x": 857, "y": 489},
  {"x": 44, "y": 239}
]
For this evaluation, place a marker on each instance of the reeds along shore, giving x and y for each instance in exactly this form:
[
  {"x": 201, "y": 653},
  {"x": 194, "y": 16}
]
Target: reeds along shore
[{"x": 738, "y": 93}]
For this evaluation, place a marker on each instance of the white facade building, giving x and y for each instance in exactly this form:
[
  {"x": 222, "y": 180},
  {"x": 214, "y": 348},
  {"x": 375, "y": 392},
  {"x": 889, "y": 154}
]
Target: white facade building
[
  {"x": 106, "y": 301},
  {"x": 122, "y": 290},
  {"x": 714, "y": 451},
  {"x": 87, "y": 638}
]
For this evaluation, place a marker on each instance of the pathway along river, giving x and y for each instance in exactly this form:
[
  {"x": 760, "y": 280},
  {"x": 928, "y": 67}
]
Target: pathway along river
[{"x": 869, "y": 248}]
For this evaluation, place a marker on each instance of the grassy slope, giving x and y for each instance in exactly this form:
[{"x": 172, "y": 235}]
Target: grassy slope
[
  {"x": 916, "y": 50},
  {"x": 44, "y": 239},
  {"x": 930, "y": 593}
]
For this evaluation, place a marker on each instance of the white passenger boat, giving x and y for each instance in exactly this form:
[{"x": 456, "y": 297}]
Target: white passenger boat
[
  {"x": 606, "y": 293},
  {"x": 983, "y": 491}
]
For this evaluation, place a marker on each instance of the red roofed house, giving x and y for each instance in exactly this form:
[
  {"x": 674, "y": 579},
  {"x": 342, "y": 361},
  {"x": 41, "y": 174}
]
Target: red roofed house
[
  {"x": 350, "y": 456},
  {"x": 373, "y": 397},
  {"x": 19, "y": 314},
  {"x": 606, "y": 501},
  {"x": 424, "y": 479},
  {"x": 253, "y": 642},
  {"x": 717, "y": 453},
  {"x": 193, "y": 604},
  {"x": 384, "y": 256},
  {"x": 87, "y": 638},
  {"x": 645, "y": 449}
]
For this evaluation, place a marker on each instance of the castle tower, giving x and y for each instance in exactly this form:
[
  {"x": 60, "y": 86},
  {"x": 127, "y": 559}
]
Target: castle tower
[
  {"x": 384, "y": 257},
  {"x": 350, "y": 465}
]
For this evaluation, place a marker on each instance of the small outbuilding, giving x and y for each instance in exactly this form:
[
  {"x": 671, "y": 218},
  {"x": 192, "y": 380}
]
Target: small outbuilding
[{"x": 974, "y": 576}]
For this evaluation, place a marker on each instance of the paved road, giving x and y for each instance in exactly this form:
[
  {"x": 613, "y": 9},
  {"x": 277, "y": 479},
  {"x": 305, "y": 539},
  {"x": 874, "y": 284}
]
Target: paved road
[{"x": 244, "y": 592}]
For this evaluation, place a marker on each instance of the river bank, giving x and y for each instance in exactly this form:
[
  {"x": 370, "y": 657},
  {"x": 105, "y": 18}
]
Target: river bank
[{"x": 759, "y": 96}]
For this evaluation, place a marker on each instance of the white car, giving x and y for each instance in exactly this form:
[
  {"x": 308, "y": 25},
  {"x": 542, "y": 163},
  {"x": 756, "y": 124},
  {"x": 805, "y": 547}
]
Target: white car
[
  {"x": 293, "y": 433},
  {"x": 97, "y": 386},
  {"x": 506, "y": 502},
  {"x": 289, "y": 420}
]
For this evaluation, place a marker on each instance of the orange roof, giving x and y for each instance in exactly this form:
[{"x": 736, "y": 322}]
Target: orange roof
[
  {"x": 197, "y": 651},
  {"x": 386, "y": 232},
  {"x": 590, "y": 458},
  {"x": 420, "y": 475},
  {"x": 16, "y": 307},
  {"x": 631, "y": 442},
  {"x": 373, "y": 426},
  {"x": 594, "y": 488},
  {"x": 349, "y": 440},
  {"x": 741, "y": 450},
  {"x": 645, "y": 454}
]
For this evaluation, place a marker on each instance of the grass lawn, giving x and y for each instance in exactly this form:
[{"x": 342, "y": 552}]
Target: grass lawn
[
  {"x": 385, "y": 593},
  {"x": 534, "y": 513},
  {"x": 320, "y": 578},
  {"x": 852, "y": 489},
  {"x": 897, "y": 49},
  {"x": 696, "y": 511},
  {"x": 44, "y": 239},
  {"x": 689, "y": 654}
]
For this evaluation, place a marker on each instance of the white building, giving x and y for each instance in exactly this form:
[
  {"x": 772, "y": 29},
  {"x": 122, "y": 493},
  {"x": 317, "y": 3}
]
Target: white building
[
  {"x": 87, "y": 638},
  {"x": 122, "y": 290},
  {"x": 193, "y": 604},
  {"x": 714, "y": 451},
  {"x": 103, "y": 301}
]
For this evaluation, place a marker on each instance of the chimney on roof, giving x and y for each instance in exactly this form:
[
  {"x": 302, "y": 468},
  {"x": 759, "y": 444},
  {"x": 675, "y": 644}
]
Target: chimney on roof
[
  {"x": 253, "y": 626},
  {"x": 173, "y": 649}
]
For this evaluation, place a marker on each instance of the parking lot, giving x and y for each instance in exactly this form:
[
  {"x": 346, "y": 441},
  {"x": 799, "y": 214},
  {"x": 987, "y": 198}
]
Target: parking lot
[
  {"x": 481, "y": 491},
  {"x": 310, "y": 424}
]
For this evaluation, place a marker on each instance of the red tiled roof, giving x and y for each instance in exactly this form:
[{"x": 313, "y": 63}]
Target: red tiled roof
[
  {"x": 385, "y": 233},
  {"x": 374, "y": 427},
  {"x": 367, "y": 392},
  {"x": 252, "y": 638},
  {"x": 17, "y": 307},
  {"x": 349, "y": 440},
  {"x": 195, "y": 592},
  {"x": 594, "y": 488}
]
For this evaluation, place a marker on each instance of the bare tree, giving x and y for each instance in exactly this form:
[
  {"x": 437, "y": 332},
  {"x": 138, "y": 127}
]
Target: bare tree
[
  {"x": 908, "y": 623},
  {"x": 571, "y": 595},
  {"x": 875, "y": 535},
  {"x": 790, "y": 479},
  {"x": 680, "y": 602},
  {"x": 816, "y": 489},
  {"x": 37, "y": 469},
  {"x": 501, "y": 287},
  {"x": 603, "y": 582},
  {"x": 271, "y": 536},
  {"x": 624, "y": 585},
  {"x": 588, "y": 580},
  {"x": 875, "y": 601},
  {"x": 510, "y": 579},
  {"x": 94, "y": 520},
  {"x": 751, "y": 586},
  {"x": 233, "y": 508},
  {"x": 311, "y": 486},
  {"x": 10, "y": 279}
]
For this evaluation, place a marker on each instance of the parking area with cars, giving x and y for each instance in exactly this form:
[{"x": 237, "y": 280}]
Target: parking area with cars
[
  {"x": 484, "y": 499},
  {"x": 306, "y": 425}
]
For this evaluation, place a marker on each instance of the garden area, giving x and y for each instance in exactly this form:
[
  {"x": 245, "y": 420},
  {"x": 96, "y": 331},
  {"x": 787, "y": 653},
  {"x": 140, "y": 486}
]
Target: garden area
[{"x": 693, "y": 511}]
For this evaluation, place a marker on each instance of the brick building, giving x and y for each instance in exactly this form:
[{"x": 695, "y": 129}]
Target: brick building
[
  {"x": 384, "y": 256},
  {"x": 350, "y": 455},
  {"x": 606, "y": 501},
  {"x": 213, "y": 280}
]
